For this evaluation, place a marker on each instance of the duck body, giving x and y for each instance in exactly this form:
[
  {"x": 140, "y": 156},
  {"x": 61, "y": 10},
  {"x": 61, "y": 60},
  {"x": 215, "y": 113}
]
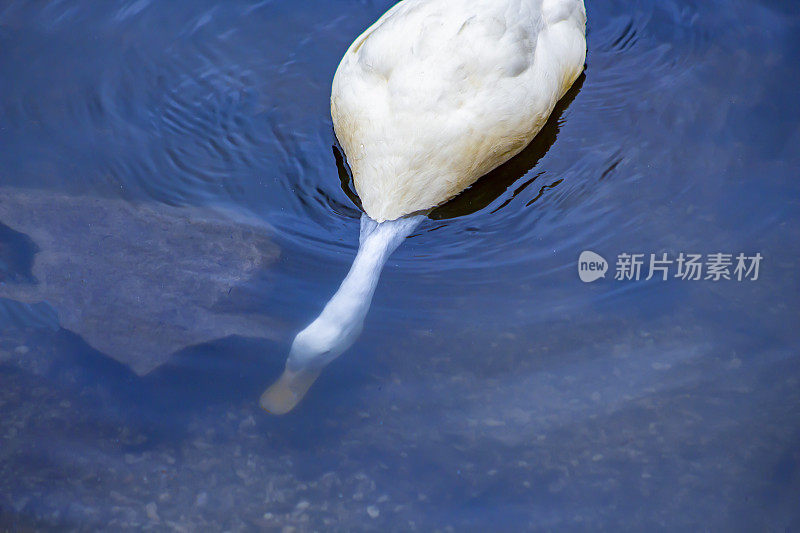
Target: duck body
[
  {"x": 430, "y": 98},
  {"x": 438, "y": 93}
]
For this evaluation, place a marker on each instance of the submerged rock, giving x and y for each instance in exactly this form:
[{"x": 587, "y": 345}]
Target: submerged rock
[{"x": 137, "y": 282}]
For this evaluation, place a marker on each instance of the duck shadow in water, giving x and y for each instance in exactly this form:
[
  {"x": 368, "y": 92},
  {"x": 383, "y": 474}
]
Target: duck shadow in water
[{"x": 493, "y": 185}]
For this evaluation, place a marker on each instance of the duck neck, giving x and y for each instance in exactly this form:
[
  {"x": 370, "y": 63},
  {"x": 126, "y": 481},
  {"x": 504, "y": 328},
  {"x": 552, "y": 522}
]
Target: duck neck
[{"x": 348, "y": 308}]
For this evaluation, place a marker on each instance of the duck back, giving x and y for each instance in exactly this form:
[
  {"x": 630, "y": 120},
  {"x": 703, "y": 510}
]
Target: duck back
[{"x": 437, "y": 93}]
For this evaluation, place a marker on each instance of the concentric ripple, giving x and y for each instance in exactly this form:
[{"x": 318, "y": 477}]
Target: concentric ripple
[{"x": 227, "y": 103}]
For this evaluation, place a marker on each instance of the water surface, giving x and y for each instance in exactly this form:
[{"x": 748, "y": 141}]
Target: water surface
[{"x": 491, "y": 387}]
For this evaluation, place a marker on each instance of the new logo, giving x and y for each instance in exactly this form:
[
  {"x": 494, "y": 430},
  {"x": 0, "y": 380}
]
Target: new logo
[{"x": 591, "y": 267}]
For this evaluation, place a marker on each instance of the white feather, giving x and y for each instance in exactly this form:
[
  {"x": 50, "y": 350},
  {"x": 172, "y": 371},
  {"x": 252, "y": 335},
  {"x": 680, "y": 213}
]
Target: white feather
[
  {"x": 430, "y": 98},
  {"x": 437, "y": 93}
]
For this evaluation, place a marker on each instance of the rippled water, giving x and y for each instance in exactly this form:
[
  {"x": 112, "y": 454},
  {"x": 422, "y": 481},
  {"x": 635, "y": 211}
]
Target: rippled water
[{"x": 491, "y": 388}]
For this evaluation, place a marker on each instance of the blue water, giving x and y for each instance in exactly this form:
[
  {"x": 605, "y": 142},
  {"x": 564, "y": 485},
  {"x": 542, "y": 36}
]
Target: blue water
[{"x": 174, "y": 207}]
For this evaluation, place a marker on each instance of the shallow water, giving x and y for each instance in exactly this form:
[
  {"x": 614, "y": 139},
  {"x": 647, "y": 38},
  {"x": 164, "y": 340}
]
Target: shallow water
[{"x": 491, "y": 388}]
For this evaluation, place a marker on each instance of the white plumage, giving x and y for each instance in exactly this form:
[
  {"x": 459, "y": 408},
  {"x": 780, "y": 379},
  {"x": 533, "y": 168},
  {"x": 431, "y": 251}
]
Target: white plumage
[
  {"x": 427, "y": 100},
  {"x": 437, "y": 93}
]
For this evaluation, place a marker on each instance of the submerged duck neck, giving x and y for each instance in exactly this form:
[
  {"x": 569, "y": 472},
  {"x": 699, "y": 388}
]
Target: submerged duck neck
[{"x": 342, "y": 319}]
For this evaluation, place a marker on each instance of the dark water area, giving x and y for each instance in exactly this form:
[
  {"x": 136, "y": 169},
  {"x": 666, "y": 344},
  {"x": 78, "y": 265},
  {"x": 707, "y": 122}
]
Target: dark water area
[{"x": 174, "y": 207}]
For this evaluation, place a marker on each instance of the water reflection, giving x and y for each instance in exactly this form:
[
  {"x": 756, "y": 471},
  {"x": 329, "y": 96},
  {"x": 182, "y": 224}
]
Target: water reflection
[{"x": 137, "y": 282}]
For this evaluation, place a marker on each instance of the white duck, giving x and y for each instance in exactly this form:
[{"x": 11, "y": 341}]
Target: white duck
[{"x": 427, "y": 100}]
